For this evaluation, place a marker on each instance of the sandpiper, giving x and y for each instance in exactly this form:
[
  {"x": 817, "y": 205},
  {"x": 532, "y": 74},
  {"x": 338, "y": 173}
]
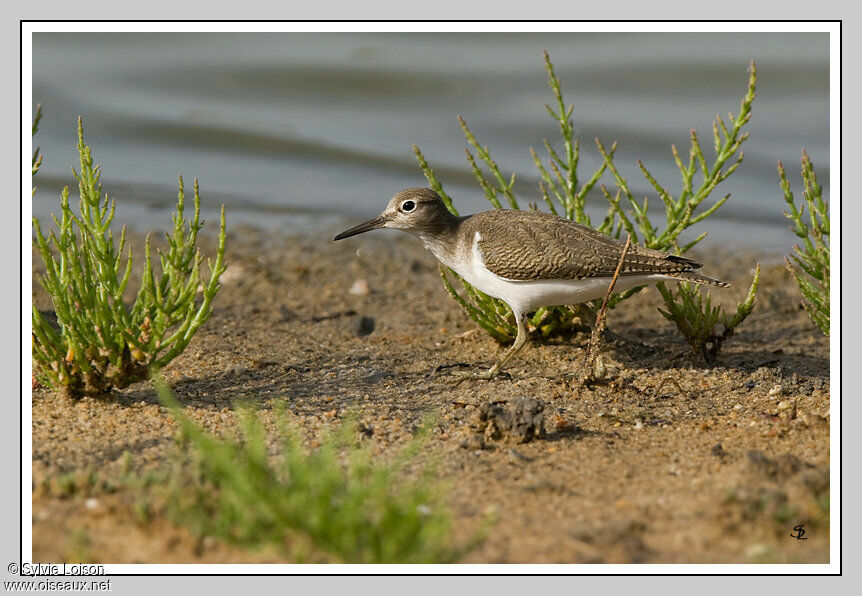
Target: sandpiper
[{"x": 528, "y": 259}]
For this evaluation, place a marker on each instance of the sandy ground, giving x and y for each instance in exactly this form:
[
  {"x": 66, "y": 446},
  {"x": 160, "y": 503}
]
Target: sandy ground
[{"x": 669, "y": 462}]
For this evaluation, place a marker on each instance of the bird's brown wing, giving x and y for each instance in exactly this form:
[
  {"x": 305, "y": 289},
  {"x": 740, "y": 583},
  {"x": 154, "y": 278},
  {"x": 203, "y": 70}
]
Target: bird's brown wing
[{"x": 528, "y": 245}]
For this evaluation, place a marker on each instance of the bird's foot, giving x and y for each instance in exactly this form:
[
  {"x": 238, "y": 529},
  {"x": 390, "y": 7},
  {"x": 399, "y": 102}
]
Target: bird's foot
[{"x": 597, "y": 371}]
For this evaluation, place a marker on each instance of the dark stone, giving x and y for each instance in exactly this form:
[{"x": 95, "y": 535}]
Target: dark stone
[
  {"x": 521, "y": 420},
  {"x": 366, "y": 326}
]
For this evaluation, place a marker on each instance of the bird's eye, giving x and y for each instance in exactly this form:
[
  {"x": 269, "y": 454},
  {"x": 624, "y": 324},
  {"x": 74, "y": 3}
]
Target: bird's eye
[{"x": 408, "y": 206}]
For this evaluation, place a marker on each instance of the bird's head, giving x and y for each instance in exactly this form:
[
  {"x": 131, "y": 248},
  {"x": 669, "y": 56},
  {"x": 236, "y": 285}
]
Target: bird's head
[{"x": 414, "y": 210}]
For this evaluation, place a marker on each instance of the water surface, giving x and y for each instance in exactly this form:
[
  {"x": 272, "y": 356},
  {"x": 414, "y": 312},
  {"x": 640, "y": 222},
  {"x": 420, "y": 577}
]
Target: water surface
[{"x": 301, "y": 132}]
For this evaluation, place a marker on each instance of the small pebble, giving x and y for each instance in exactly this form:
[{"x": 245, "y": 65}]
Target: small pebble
[
  {"x": 776, "y": 390},
  {"x": 757, "y": 551},
  {"x": 359, "y": 288},
  {"x": 785, "y": 405},
  {"x": 91, "y": 504},
  {"x": 231, "y": 274},
  {"x": 738, "y": 407}
]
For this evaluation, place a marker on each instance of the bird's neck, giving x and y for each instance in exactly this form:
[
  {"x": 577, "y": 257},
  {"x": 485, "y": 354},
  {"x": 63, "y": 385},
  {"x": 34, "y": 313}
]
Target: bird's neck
[{"x": 440, "y": 237}]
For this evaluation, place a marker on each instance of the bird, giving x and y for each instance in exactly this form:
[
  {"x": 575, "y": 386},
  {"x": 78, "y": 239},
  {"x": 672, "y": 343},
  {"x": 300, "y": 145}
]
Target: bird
[{"x": 527, "y": 259}]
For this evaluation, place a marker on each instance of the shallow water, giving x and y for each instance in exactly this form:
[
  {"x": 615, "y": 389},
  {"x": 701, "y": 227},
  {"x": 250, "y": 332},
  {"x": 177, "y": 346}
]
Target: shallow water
[{"x": 312, "y": 132}]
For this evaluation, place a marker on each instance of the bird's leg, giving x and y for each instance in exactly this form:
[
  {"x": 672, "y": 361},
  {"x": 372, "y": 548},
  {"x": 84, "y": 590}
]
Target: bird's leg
[
  {"x": 589, "y": 318},
  {"x": 520, "y": 340},
  {"x": 587, "y": 315},
  {"x": 592, "y": 357}
]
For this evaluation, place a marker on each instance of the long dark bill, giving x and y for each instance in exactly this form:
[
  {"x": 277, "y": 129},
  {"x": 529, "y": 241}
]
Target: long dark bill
[{"x": 371, "y": 224}]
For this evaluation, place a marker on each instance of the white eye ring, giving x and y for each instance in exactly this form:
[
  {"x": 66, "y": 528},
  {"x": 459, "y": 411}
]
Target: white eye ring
[{"x": 408, "y": 206}]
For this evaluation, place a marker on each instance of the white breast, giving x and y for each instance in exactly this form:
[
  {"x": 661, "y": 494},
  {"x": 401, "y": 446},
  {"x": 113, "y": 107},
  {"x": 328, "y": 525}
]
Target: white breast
[{"x": 525, "y": 296}]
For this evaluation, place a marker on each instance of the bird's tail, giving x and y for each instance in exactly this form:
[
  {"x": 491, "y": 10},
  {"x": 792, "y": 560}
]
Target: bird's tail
[{"x": 699, "y": 279}]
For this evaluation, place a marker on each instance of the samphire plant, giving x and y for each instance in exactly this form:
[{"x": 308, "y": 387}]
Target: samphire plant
[
  {"x": 37, "y": 155},
  {"x": 809, "y": 263},
  {"x": 98, "y": 342},
  {"x": 333, "y": 503},
  {"x": 691, "y": 309},
  {"x": 564, "y": 192}
]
